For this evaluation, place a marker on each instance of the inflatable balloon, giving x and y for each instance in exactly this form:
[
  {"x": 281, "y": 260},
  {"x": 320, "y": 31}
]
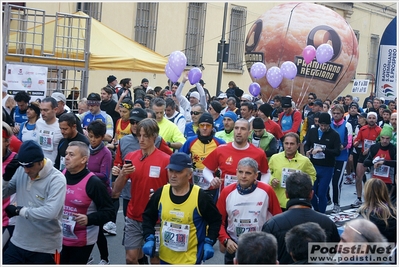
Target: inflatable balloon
[
  {"x": 289, "y": 70},
  {"x": 194, "y": 75},
  {"x": 170, "y": 74},
  {"x": 274, "y": 76},
  {"x": 177, "y": 62},
  {"x": 254, "y": 89},
  {"x": 324, "y": 53},
  {"x": 281, "y": 34},
  {"x": 258, "y": 70},
  {"x": 309, "y": 52}
]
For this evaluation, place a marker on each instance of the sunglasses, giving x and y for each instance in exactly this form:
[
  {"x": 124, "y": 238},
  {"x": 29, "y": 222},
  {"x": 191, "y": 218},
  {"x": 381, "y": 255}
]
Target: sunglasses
[
  {"x": 205, "y": 125},
  {"x": 195, "y": 112},
  {"x": 133, "y": 122},
  {"x": 26, "y": 165}
]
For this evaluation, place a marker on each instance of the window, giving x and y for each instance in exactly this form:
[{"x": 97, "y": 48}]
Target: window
[
  {"x": 146, "y": 24},
  {"x": 373, "y": 55},
  {"x": 237, "y": 38},
  {"x": 91, "y": 9},
  {"x": 195, "y": 33}
]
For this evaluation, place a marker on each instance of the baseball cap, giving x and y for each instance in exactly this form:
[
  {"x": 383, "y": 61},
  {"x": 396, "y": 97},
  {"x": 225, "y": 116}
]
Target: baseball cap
[
  {"x": 138, "y": 114},
  {"x": 222, "y": 96},
  {"x": 317, "y": 103},
  {"x": 59, "y": 96},
  {"x": 179, "y": 161},
  {"x": 247, "y": 97}
]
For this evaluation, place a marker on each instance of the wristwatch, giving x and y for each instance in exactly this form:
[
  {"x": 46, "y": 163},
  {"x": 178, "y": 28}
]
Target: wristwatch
[
  {"x": 168, "y": 143},
  {"x": 225, "y": 241}
]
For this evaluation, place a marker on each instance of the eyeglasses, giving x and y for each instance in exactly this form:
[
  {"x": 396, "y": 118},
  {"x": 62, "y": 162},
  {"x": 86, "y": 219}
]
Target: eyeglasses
[
  {"x": 133, "y": 122},
  {"x": 195, "y": 112},
  {"x": 26, "y": 165},
  {"x": 205, "y": 125}
]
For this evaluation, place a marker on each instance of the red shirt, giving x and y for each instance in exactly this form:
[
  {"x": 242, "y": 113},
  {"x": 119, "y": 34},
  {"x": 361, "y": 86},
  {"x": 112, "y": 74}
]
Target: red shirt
[
  {"x": 150, "y": 173},
  {"x": 368, "y": 133},
  {"x": 226, "y": 158},
  {"x": 273, "y": 128}
]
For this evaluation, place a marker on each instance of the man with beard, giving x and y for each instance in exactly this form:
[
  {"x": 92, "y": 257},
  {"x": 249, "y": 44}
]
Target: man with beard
[
  {"x": 227, "y": 134},
  {"x": 226, "y": 157},
  {"x": 199, "y": 147}
]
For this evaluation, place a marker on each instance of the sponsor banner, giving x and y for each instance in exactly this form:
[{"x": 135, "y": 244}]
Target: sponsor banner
[
  {"x": 387, "y": 72},
  {"x": 32, "y": 79},
  {"x": 351, "y": 253}
]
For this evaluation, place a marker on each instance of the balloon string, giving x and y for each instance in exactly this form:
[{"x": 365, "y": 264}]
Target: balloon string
[
  {"x": 304, "y": 80},
  {"x": 292, "y": 86},
  {"x": 307, "y": 88}
]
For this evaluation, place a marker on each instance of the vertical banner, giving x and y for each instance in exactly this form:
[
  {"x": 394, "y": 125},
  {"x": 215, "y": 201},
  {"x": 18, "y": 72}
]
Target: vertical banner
[
  {"x": 387, "y": 72},
  {"x": 32, "y": 79},
  {"x": 360, "y": 86}
]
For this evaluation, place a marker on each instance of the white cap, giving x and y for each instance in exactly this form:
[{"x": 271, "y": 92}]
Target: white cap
[
  {"x": 195, "y": 94},
  {"x": 59, "y": 96},
  {"x": 382, "y": 99},
  {"x": 247, "y": 97},
  {"x": 222, "y": 96},
  {"x": 5, "y": 86}
]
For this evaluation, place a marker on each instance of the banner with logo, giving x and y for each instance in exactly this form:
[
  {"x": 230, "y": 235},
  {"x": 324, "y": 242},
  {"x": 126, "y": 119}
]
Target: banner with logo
[{"x": 32, "y": 79}]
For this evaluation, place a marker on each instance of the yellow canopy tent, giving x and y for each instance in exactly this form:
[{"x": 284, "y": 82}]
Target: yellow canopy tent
[{"x": 109, "y": 50}]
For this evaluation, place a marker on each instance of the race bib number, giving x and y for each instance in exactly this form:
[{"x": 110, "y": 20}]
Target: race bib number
[
  {"x": 382, "y": 171},
  {"x": 157, "y": 240},
  {"x": 175, "y": 236},
  {"x": 256, "y": 142},
  {"x": 68, "y": 227},
  {"x": 319, "y": 155},
  {"x": 368, "y": 143},
  {"x": 245, "y": 226},
  {"x": 155, "y": 171},
  {"x": 62, "y": 163},
  {"x": 198, "y": 179},
  {"x": 229, "y": 179},
  {"x": 284, "y": 175},
  {"x": 46, "y": 140}
]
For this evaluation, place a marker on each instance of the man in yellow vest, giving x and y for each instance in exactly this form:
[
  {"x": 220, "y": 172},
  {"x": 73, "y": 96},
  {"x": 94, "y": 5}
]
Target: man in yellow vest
[{"x": 190, "y": 221}]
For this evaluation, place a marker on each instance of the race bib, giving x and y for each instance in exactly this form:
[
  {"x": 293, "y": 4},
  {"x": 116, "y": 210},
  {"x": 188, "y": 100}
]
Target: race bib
[
  {"x": 198, "y": 179},
  {"x": 155, "y": 171},
  {"x": 284, "y": 175},
  {"x": 175, "y": 236},
  {"x": 382, "y": 171},
  {"x": 68, "y": 227},
  {"x": 256, "y": 142},
  {"x": 46, "y": 140},
  {"x": 245, "y": 226},
  {"x": 319, "y": 155},
  {"x": 62, "y": 163},
  {"x": 229, "y": 179},
  {"x": 157, "y": 240},
  {"x": 368, "y": 143}
]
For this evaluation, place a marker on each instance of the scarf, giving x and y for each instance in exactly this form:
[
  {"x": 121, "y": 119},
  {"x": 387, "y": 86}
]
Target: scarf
[
  {"x": 248, "y": 190},
  {"x": 94, "y": 151},
  {"x": 205, "y": 139}
]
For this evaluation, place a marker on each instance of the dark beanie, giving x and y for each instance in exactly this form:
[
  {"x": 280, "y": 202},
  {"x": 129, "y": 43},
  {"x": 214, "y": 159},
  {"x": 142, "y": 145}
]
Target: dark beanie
[
  {"x": 257, "y": 123},
  {"x": 216, "y": 106},
  {"x": 324, "y": 118},
  {"x": 266, "y": 109},
  {"x": 144, "y": 80},
  {"x": 30, "y": 151},
  {"x": 286, "y": 102},
  {"x": 206, "y": 117},
  {"x": 111, "y": 78},
  {"x": 141, "y": 102}
]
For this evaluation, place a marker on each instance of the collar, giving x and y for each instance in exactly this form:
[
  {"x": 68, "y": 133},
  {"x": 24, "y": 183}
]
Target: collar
[
  {"x": 338, "y": 123},
  {"x": 299, "y": 201}
]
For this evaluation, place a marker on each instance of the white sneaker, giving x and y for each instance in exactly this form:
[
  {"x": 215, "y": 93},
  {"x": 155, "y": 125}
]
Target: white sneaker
[
  {"x": 103, "y": 262},
  {"x": 336, "y": 209},
  {"x": 357, "y": 203},
  {"x": 90, "y": 260},
  {"x": 110, "y": 228}
]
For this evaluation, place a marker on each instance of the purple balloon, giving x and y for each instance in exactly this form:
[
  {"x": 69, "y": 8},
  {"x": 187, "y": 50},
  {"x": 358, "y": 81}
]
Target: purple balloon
[
  {"x": 170, "y": 74},
  {"x": 254, "y": 89},
  {"x": 289, "y": 70},
  {"x": 274, "y": 76},
  {"x": 309, "y": 53},
  {"x": 258, "y": 70},
  {"x": 177, "y": 62},
  {"x": 194, "y": 75},
  {"x": 324, "y": 53}
]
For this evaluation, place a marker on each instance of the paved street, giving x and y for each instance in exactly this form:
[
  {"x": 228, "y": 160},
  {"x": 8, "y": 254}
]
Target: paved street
[{"x": 117, "y": 251}]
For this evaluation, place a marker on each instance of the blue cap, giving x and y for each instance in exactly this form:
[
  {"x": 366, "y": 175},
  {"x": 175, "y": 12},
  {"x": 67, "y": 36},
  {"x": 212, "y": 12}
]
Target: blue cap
[
  {"x": 231, "y": 115},
  {"x": 179, "y": 161}
]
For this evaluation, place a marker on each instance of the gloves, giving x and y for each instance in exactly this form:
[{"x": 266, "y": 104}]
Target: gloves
[
  {"x": 149, "y": 246},
  {"x": 12, "y": 210},
  {"x": 208, "y": 249}
]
